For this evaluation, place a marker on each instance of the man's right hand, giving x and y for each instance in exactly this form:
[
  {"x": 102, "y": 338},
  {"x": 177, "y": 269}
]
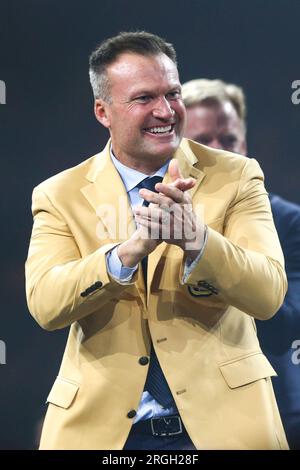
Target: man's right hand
[{"x": 139, "y": 245}]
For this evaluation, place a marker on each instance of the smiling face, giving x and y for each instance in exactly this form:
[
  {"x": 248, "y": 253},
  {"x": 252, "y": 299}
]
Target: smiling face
[
  {"x": 216, "y": 125},
  {"x": 145, "y": 115}
]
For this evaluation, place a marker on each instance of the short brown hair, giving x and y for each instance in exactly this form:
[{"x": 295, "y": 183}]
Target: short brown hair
[{"x": 138, "y": 42}]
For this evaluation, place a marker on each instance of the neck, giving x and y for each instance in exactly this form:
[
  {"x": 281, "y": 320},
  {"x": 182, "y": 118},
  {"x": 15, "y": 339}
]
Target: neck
[{"x": 148, "y": 167}]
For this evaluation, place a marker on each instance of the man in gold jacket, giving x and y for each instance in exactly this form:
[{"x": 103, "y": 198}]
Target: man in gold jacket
[{"x": 186, "y": 315}]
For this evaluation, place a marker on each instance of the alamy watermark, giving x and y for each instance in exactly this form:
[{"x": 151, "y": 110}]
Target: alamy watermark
[
  {"x": 2, "y": 352},
  {"x": 116, "y": 222},
  {"x": 296, "y": 353},
  {"x": 295, "y": 97},
  {"x": 2, "y": 92}
]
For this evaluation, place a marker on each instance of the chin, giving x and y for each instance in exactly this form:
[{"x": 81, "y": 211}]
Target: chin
[{"x": 167, "y": 149}]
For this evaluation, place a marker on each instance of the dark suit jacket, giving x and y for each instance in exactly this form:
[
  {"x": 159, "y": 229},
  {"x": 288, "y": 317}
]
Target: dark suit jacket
[{"x": 278, "y": 336}]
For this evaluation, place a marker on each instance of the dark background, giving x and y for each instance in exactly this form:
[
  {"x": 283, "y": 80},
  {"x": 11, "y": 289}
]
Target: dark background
[{"x": 48, "y": 125}]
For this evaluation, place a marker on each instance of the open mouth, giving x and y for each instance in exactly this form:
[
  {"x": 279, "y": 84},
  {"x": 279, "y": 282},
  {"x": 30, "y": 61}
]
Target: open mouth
[{"x": 160, "y": 130}]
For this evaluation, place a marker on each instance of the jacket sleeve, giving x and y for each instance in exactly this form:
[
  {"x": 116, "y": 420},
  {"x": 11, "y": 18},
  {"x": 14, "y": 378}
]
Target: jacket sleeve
[
  {"x": 244, "y": 265},
  {"x": 61, "y": 285}
]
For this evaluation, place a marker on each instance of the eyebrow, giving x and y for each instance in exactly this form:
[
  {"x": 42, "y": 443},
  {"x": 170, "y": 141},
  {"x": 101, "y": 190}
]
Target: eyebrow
[
  {"x": 142, "y": 92},
  {"x": 148, "y": 92}
]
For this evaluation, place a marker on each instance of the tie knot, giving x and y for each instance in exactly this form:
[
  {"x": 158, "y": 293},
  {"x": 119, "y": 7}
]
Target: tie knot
[{"x": 149, "y": 183}]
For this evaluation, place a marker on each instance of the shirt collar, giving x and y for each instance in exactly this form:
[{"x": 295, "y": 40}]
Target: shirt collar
[{"x": 130, "y": 177}]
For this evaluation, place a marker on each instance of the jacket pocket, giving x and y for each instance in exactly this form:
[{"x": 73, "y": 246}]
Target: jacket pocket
[
  {"x": 63, "y": 392},
  {"x": 247, "y": 369}
]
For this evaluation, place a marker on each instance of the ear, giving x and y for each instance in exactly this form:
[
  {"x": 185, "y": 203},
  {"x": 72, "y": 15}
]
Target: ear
[{"x": 101, "y": 110}]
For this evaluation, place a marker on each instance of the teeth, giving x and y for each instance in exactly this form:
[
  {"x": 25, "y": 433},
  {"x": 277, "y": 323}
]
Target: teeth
[{"x": 160, "y": 130}]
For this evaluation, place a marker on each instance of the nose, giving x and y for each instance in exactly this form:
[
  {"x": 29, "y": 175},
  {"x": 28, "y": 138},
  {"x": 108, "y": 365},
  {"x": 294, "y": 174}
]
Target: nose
[{"x": 162, "y": 109}]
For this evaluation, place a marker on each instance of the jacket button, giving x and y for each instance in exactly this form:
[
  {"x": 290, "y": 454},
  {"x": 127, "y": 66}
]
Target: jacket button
[
  {"x": 131, "y": 414},
  {"x": 144, "y": 360},
  {"x": 98, "y": 284}
]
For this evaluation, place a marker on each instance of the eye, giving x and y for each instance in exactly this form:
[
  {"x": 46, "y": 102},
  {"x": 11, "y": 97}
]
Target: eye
[
  {"x": 228, "y": 141},
  {"x": 143, "y": 98},
  {"x": 203, "y": 139},
  {"x": 174, "y": 95}
]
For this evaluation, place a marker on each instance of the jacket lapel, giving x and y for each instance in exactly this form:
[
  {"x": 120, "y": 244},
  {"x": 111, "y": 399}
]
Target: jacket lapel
[{"x": 107, "y": 195}]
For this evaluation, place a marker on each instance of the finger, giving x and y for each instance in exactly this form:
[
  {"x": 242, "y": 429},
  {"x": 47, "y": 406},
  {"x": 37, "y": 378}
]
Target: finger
[
  {"x": 164, "y": 220},
  {"x": 170, "y": 191},
  {"x": 174, "y": 170},
  {"x": 157, "y": 214},
  {"x": 184, "y": 184},
  {"x": 148, "y": 213},
  {"x": 156, "y": 198},
  {"x": 154, "y": 228}
]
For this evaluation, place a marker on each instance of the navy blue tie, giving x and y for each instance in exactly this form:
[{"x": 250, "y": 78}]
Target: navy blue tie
[{"x": 156, "y": 383}]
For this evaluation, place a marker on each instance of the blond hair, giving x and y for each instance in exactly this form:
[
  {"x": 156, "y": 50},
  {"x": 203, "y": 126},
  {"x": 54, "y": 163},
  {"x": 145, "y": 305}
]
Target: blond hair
[{"x": 205, "y": 90}]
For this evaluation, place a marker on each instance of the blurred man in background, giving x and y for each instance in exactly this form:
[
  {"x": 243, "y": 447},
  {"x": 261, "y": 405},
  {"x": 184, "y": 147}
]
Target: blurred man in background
[{"x": 216, "y": 117}]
